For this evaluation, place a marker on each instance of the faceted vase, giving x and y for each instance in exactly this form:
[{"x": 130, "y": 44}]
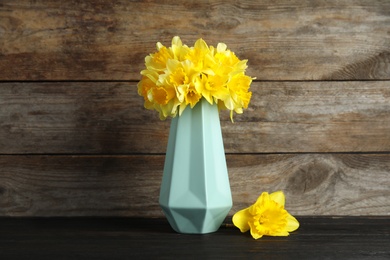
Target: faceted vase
[{"x": 195, "y": 192}]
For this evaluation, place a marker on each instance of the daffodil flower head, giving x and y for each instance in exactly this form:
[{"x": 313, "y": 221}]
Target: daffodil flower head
[
  {"x": 266, "y": 217},
  {"x": 179, "y": 76}
]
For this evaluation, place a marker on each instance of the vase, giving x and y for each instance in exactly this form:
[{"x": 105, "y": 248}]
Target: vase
[{"x": 195, "y": 192}]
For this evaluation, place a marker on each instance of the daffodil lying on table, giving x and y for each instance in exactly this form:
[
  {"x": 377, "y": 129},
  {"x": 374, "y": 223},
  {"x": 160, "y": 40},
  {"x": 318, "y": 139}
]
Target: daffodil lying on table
[
  {"x": 266, "y": 217},
  {"x": 178, "y": 76}
]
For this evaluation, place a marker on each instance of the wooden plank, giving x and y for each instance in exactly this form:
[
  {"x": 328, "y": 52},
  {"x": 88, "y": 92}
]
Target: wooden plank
[
  {"x": 108, "y": 117},
  {"x": 313, "y": 117},
  {"x": 129, "y": 238},
  {"x": 77, "y": 118},
  {"x": 108, "y": 40},
  {"x": 314, "y": 184}
]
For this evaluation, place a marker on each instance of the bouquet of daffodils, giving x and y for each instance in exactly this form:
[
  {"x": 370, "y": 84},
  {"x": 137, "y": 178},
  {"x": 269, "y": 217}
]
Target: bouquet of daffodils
[{"x": 179, "y": 76}]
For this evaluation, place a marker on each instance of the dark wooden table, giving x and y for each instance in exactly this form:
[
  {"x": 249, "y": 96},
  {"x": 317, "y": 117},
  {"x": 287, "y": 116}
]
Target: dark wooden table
[{"x": 129, "y": 238}]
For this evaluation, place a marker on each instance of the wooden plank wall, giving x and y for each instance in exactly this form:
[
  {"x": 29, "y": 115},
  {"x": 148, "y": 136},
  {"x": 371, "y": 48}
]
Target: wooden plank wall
[{"x": 75, "y": 139}]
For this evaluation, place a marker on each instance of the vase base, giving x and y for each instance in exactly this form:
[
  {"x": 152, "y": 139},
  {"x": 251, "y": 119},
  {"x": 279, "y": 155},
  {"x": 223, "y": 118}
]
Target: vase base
[{"x": 195, "y": 221}]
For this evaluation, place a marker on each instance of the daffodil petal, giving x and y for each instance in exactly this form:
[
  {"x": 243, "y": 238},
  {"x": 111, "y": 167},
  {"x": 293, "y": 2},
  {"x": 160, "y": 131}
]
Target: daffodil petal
[
  {"x": 221, "y": 47},
  {"x": 241, "y": 219},
  {"x": 278, "y": 197},
  {"x": 254, "y": 232},
  {"x": 292, "y": 223},
  {"x": 281, "y": 234},
  {"x": 176, "y": 41}
]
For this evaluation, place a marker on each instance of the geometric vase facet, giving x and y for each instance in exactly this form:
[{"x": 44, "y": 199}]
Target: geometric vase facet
[{"x": 195, "y": 192}]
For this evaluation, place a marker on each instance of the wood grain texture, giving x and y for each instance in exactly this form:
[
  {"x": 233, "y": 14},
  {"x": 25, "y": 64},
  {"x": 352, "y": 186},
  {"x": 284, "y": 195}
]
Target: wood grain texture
[
  {"x": 108, "y": 40},
  {"x": 75, "y": 139},
  {"x": 314, "y": 184},
  {"x": 109, "y": 118},
  {"x": 132, "y": 238}
]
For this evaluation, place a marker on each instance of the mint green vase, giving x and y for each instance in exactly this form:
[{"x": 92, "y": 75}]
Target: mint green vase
[{"x": 195, "y": 192}]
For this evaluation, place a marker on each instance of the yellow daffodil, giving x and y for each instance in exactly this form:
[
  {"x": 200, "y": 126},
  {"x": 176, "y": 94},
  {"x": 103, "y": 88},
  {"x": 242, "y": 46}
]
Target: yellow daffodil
[
  {"x": 178, "y": 76},
  {"x": 266, "y": 216}
]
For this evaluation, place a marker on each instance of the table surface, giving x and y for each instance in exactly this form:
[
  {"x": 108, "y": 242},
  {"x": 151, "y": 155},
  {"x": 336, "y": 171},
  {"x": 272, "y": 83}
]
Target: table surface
[{"x": 130, "y": 238}]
